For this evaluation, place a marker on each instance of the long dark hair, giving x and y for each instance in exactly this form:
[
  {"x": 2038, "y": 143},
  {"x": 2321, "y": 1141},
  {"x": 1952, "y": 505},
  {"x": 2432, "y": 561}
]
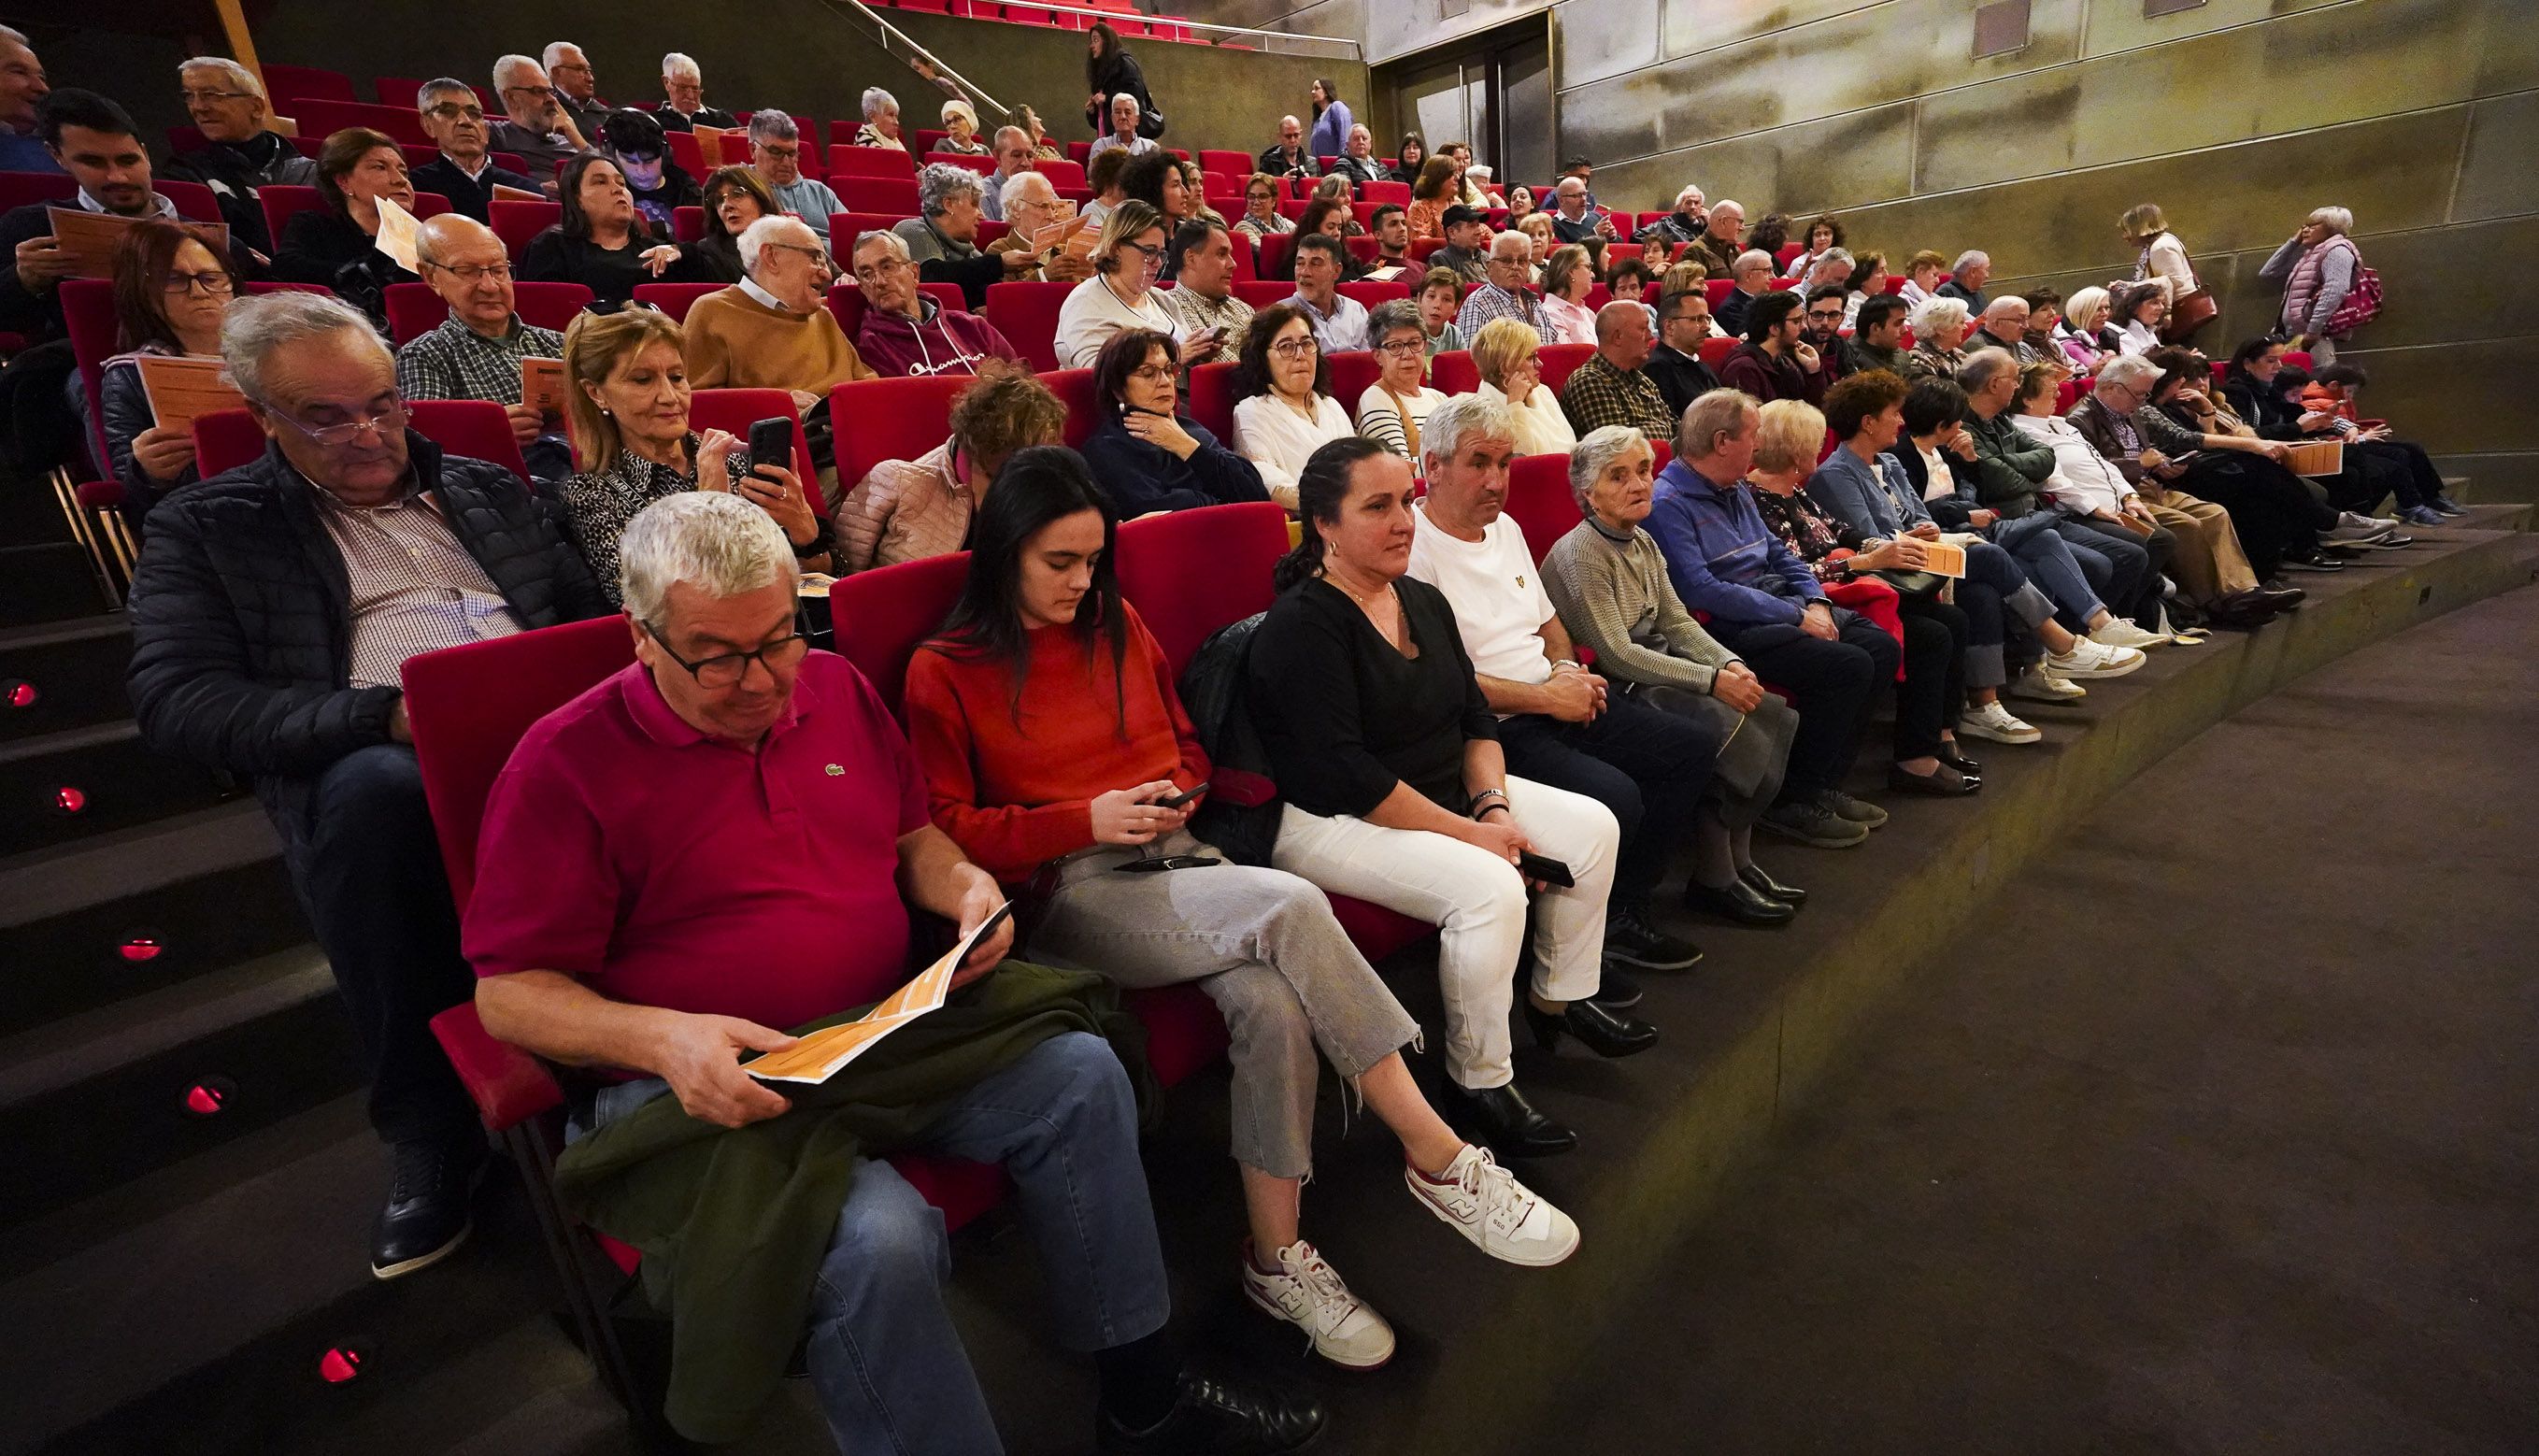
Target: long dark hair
[
  {"x": 1037, "y": 486},
  {"x": 576, "y": 223},
  {"x": 1098, "y": 67},
  {"x": 1321, "y": 491},
  {"x": 2250, "y": 353}
]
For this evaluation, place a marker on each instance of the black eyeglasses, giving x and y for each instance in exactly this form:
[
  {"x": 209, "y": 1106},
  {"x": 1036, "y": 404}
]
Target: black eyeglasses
[{"x": 724, "y": 670}]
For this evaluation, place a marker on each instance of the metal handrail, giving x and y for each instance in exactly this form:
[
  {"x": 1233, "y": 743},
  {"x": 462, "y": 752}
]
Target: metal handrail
[
  {"x": 899, "y": 42},
  {"x": 1354, "y": 50}
]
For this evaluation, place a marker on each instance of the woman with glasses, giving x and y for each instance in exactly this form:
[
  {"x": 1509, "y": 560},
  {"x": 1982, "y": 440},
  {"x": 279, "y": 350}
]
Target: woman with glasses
[
  {"x": 1148, "y": 454},
  {"x": 603, "y": 242},
  {"x": 1128, "y": 259},
  {"x": 337, "y": 246},
  {"x": 1397, "y": 404},
  {"x": 627, "y": 390},
  {"x": 1283, "y": 407},
  {"x": 734, "y": 198},
  {"x": 172, "y": 284}
]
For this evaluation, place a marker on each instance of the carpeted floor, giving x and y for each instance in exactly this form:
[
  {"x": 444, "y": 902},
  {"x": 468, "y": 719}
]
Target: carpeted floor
[{"x": 2217, "y": 1137}]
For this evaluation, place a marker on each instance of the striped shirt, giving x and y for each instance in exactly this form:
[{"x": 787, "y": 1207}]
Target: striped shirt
[
  {"x": 1489, "y": 302},
  {"x": 413, "y": 586}
]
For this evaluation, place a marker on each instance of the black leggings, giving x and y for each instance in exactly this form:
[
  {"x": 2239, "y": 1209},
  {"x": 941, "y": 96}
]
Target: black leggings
[
  {"x": 2269, "y": 509},
  {"x": 1933, "y": 695}
]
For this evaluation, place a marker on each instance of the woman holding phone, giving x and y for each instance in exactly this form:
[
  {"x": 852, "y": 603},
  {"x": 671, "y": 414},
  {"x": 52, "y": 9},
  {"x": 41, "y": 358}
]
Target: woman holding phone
[
  {"x": 627, "y": 391},
  {"x": 1146, "y": 453},
  {"x": 1058, "y": 754}
]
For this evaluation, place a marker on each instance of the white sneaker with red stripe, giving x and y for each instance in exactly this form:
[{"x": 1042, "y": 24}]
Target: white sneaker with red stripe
[
  {"x": 1307, "y": 1292},
  {"x": 1505, "y": 1218}
]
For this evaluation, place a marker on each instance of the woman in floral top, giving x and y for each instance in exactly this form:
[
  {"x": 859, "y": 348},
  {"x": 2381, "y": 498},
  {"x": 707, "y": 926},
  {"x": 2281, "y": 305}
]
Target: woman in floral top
[{"x": 628, "y": 392}]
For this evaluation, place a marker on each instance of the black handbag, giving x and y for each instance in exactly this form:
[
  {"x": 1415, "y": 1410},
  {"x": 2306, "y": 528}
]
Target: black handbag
[{"x": 1240, "y": 815}]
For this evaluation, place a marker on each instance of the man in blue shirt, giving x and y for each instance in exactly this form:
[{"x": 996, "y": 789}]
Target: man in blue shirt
[
  {"x": 1766, "y": 607},
  {"x": 22, "y": 85}
]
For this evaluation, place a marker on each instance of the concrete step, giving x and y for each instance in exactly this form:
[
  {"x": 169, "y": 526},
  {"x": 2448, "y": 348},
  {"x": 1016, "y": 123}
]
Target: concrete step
[
  {"x": 63, "y": 675},
  {"x": 58, "y": 789},
  {"x": 46, "y": 581}
]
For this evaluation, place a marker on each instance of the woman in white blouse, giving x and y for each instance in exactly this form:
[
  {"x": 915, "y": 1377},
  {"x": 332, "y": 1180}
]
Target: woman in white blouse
[
  {"x": 1507, "y": 353},
  {"x": 1394, "y": 408},
  {"x": 1567, "y": 275},
  {"x": 2136, "y": 315},
  {"x": 1283, "y": 409},
  {"x": 1120, "y": 293}
]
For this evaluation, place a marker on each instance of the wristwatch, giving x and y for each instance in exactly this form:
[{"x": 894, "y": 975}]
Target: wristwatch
[{"x": 820, "y": 545}]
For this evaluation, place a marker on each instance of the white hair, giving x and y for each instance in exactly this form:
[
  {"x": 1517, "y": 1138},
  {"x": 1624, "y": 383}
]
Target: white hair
[
  {"x": 875, "y": 99},
  {"x": 256, "y": 325},
  {"x": 1125, "y": 97},
  {"x": 1016, "y": 185},
  {"x": 754, "y": 239},
  {"x": 508, "y": 67},
  {"x": 1752, "y": 257},
  {"x": 556, "y": 49},
  {"x": 722, "y": 544},
  {"x": 2341, "y": 219},
  {"x": 681, "y": 67},
  {"x": 14, "y": 37},
  {"x": 1690, "y": 189},
  {"x": 1463, "y": 417},
  {"x": 2127, "y": 371},
  {"x": 883, "y": 236},
  {"x": 1514, "y": 241},
  {"x": 1971, "y": 258},
  {"x": 941, "y": 184},
  {"x": 1600, "y": 447},
  {"x": 1999, "y": 308},
  {"x": 1935, "y": 312},
  {"x": 238, "y": 76}
]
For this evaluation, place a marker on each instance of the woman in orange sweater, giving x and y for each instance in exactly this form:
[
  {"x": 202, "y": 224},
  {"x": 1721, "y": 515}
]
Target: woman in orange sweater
[{"x": 1045, "y": 721}]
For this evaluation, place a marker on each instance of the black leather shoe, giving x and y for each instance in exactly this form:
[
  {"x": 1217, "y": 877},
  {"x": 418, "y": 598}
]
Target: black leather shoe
[
  {"x": 1738, "y": 901},
  {"x": 1606, "y": 1033},
  {"x": 1210, "y": 1417},
  {"x": 1958, "y": 761},
  {"x": 1501, "y": 1120},
  {"x": 2282, "y": 598},
  {"x": 427, "y": 1217},
  {"x": 1788, "y": 894},
  {"x": 1943, "y": 782},
  {"x": 1617, "y": 991}
]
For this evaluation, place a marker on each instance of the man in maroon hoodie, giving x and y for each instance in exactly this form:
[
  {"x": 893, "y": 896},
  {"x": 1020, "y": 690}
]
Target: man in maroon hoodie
[{"x": 906, "y": 332}]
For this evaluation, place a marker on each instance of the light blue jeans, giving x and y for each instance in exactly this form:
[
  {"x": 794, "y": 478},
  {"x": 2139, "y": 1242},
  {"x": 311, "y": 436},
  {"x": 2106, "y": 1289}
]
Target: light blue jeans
[{"x": 887, "y": 1363}]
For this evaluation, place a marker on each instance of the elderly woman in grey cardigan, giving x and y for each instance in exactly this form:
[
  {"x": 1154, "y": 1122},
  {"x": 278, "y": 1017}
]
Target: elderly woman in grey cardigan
[{"x": 1608, "y": 581}]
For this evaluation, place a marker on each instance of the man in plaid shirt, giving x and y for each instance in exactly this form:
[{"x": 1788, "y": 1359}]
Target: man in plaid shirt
[
  {"x": 1611, "y": 388},
  {"x": 1505, "y": 296},
  {"x": 476, "y": 352}
]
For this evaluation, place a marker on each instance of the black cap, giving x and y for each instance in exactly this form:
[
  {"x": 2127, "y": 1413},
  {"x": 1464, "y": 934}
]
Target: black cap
[{"x": 1461, "y": 213}]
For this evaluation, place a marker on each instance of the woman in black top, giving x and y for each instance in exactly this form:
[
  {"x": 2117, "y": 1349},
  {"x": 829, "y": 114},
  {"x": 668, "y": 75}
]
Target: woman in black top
[
  {"x": 735, "y": 198},
  {"x": 1111, "y": 71},
  {"x": 604, "y": 243},
  {"x": 1149, "y": 455},
  {"x": 339, "y": 246},
  {"x": 1396, "y": 791}
]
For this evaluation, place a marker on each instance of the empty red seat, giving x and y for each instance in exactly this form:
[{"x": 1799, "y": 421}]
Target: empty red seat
[
  {"x": 224, "y": 440},
  {"x": 1715, "y": 351},
  {"x": 1278, "y": 255},
  {"x": 980, "y": 165},
  {"x": 851, "y": 160},
  {"x": 1372, "y": 295},
  {"x": 1074, "y": 389},
  {"x": 1539, "y": 497},
  {"x": 1352, "y": 371},
  {"x": 895, "y": 196},
  {"x": 846, "y": 226},
  {"x": 1421, "y": 247},
  {"x": 194, "y": 202},
  {"x": 687, "y": 223},
  {"x": 897, "y": 419},
  {"x": 517, "y": 222},
  {"x": 1211, "y": 398},
  {"x": 1061, "y": 174},
  {"x": 927, "y": 140},
  {"x": 1716, "y": 291},
  {"x": 1232, "y": 164},
  {"x": 1559, "y": 359},
  {"x": 685, "y": 151},
  {"x": 293, "y": 83},
  {"x": 1260, "y": 293},
  {"x": 325, "y": 118},
  {"x": 1026, "y": 313},
  {"x": 1379, "y": 193},
  {"x": 478, "y": 429},
  {"x": 1451, "y": 371},
  {"x": 19, "y": 189}
]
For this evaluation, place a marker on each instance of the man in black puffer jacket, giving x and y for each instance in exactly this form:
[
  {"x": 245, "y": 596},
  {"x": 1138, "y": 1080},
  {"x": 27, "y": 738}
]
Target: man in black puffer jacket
[{"x": 272, "y": 610}]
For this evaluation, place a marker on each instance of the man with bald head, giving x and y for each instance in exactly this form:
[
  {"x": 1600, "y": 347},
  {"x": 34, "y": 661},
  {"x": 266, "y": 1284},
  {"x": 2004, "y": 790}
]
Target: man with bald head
[
  {"x": 1721, "y": 240},
  {"x": 1614, "y": 388},
  {"x": 476, "y": 352},
  {"x": 1287, "y": 157},
  {"x": 2005, "y": 323}
]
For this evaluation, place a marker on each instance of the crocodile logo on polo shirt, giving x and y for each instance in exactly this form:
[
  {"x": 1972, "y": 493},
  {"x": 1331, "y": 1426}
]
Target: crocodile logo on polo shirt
[{"x": 836, "y": 771}]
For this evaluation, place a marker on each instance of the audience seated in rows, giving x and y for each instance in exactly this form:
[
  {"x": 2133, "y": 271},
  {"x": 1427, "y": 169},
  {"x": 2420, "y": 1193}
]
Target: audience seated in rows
[
  {"x": 1260, "y": 215},
  {"x": 1391, "y": 409},
  {"x": 476, "y": 352},
  {"x": 1123, "y": 135},
  {"x": 943, "y": 240},
  {"x": 905, "y": 332},
  {"x": 1674, "y": 365},
  {"x": 1287, "y": 157},
  {"x": 93, "y": 139},
  {"x": 1877, "y": 337},
  {"x": 1568, "y": 276},
  {"x": 1339, "y": 320},
  {"x": 1751, "y": 274},
  {"x": 911, "y": 509},
  {"x": 1030, "y": 202},
  {"x": 1940, "y": 327},
  {"x": 660, "y": 186},
  {"x": 1721, "y": 242},
  {"x": 2255, "y": 388},
  {"x": 537, "y": 125},
  {"x": 173, "y": 283},
  {"x": 1967, "y": 279},
  {"x": 773, "y": 329},
  {"x": 1283, "y": 409},
  {"x": 1774, "y": 361},
  {"x": 1148, "y": 454},
  {"x": 242, "y": 152},
  {"x": 577, "y": 87},
  {"x": 1012, "y": 150},
  {"x": 601, "y": 936},
  {"x": 1045, "y": 723},
  {"x": 960, "y": 129},
  {"x": 269, "y": 622},
  {"x": 464, "y": 173},
  {"x": 1821, "y": 332},
  {"x": 1613, "y": 386},
  {"x": 604, "y": 240},
  {"x": 337, "y": 245},
  {"x": 1508, "y": 292}
]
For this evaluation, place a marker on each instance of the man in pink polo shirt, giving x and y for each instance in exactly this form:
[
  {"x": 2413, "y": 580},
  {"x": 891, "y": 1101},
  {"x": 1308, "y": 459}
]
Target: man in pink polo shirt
[{"x": 715, "y": 843}]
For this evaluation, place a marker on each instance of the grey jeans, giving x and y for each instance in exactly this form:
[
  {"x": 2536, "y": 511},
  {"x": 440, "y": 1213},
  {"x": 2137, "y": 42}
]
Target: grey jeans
[{"x": 1264, "y": 946}]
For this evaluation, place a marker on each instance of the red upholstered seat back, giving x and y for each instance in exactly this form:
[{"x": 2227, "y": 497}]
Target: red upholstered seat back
[
  {"x": 851, "y": 160},
  {"x": 289, "y": 84},
  {"x": 1539, "y": 497},
  {"x": 414, "y": 310},
  {"x": 1373, "y": 294},
  {"x": 1074, "y": 389},
  {"x": 1211, "y": 398},
  {"x": 194, "y": 202},
  {"x": 1559, "y": 359},
  {"x": 1275, "y": 255},
  {"x": 1189, "y": 573},
  {"x": 674, "y": 299},
  {"x": 1233, "y": 164},
  {"x": 1716, "y": 349},
  {"x": 882, "y": 614},
  {"x": 894, "y": 195},
  {"x": 478, "y": 429},
  {"x": 1026, "y": 313},
  {"x": 224, "y": 440},
  {"x": 1263, "y": 291},
  {"x": 517, "y": 222},
  {"x": 1716, "y": 290},
  {"x": 1452, "y": 372},
  {"x": 88, "y": 310},
  {"x": 736, "y": 411},
  {"x": 1352, "y": 370},
  {"x": 878, "y": 420},
  {"x": 325, "y": 119}
]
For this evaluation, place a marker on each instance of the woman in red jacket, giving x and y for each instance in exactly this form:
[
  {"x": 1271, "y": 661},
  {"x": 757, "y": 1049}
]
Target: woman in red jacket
[{"x": 1045, "y": 721}]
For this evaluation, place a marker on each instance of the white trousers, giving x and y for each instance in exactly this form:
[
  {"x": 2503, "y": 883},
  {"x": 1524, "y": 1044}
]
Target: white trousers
[{"x": 1477, "y": 903}]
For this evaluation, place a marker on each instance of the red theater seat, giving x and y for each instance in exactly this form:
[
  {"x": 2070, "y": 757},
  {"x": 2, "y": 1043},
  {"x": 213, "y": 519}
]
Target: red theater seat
[
  {"x": 735, "y": 410},
  {"x": 895, "y": 196},
  {"x": 1074, "y": 389},
  {"x": 517, "y": 222},
  {"x": 325, "y": 118},
  {"x": 297, "y": 82},
  {"x": 1715, "y": 351},
  {"x": 478, "y": 429},
  {"x": 674, "y": 299},
  {"x": 1026, "y": 313},
  {"x": 1559, "y": 359},
  {"x": 1371, "y": 295},
  {"x": 1061, "y": 175},
  {"x": 1232, "y": 164},
  {"x": 224, "y": 440},
  {"x": 1451, "y": 371},
  {"x": 900, "y": 419},
  {"x": 1275, "y": 255},
  {"x": 870, "y": 162},
  {"x": 1352, "y": 371},
  {"x": 1539, "y": 497},
  {"x": 1260, "y": 293},
  {"x": 1211, "y": 398},
  {"x": 414, "y": 310}
]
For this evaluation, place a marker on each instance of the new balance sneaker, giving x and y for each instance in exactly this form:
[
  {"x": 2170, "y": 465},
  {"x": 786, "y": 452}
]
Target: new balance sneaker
[
  {"x": 1486, "y": 1204},
  {"x": 1813, "y": 822},
  {"x": 2089, "y": 658},
  {"x": 2118, "y": 632},
  {"x": 1993, "y": 721},
  {"x": 2038, "y": 686},
  {"x": 1307, "y": 1292}
]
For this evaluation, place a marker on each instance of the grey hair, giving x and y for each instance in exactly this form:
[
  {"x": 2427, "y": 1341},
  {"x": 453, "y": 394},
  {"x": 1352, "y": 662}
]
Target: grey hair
[
  {"x": 2002, "y": 305},
  {"x": 1967, "y": 260},
  {"x": 682, "y": 66},
  {"x": 2339, "y": 218},
  {"x": 1014, "y": 187},
  {"x": 1689, "y": 189},
  {"x": 720, "y": 543},
  {"x": 1935, "y": 310},
  {"x": 256, "y": 325},
  {"x": 510, "y": 66},
  {"x": 1124, "y": 96},
  {"x": 1982, "y": 366},
  {"x": 1512, "y": 239},
  {"x": 1461, "y": 418},
  {"x": 1728, "y": 202},
  {"x": 941, "y": 184},
  {"x": 1391, "y": 314},
  {"x": 1749, "y": 259},
  {"x": 1602, "y": 446},
  {"x": 1708, "y": 415},
  {"x": 874, "y": 99},
  {"x": 999, "y": 141},
  {"x": 14, "y": 37},
  {"x": 753, "y": 240},
  {"x": 239, "y": 76},
  {"x": 441, "y": 86},
  {"x": 547, "y": 57},
  {"x": 773, "y": 126},
  {"x": 1832, "y": 256},
  {"x": 2132, "y": 370},
  {"x": 884, "y": 236}
]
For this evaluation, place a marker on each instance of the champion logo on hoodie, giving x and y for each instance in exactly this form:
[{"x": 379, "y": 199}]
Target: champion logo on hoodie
[{"x": 943, "y": 342}]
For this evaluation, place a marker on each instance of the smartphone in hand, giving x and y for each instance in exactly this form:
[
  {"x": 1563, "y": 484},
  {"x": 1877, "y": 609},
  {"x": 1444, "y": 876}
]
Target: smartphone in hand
[
  {"x": 1174, "y": 801},
  {"x": 771, "y": 443}
]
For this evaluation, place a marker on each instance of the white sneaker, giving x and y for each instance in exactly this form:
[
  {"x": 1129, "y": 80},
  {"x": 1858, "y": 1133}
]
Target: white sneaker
[
  {"x": 1505, "y": 1218},
  {"x": 2038, "y": 686},
  {"x": 2090, "y": 657},
  {"x": 1993, "y": 721},
  {"x": 2354, "y": 527},
  {"x": 1306, "y": 1291},
  {"x": 2118, "y": 632}
]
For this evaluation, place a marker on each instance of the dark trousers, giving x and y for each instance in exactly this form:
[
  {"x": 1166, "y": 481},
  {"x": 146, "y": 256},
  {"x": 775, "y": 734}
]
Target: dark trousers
[
  {"x": 1835, "y": 684},
  {"x": 2132, "y": 586},
  {"x": 367, "y": 867},
  {"x": 1933, "y": 694},
  {"x": 2378, "y": 469},
  {"x": 2143, "y": 607},
  {"x": 1647, "y": 765},
  {"x": 2273, "y": 519}
]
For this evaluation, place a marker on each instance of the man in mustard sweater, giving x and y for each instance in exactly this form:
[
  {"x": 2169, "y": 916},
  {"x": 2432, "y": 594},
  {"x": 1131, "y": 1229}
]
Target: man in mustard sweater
[{"x": 773, "y": 329}]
